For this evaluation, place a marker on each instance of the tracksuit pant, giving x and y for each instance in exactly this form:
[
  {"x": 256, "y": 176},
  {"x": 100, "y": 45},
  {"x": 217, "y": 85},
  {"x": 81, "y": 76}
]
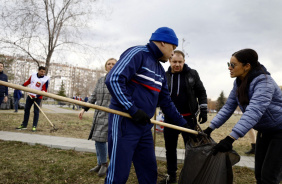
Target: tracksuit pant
[{"x": 129, "y": 142}]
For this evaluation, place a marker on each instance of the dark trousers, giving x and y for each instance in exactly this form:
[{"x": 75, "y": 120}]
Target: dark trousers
[
  {"x": 28, "y": 104},
  {"x": 268, "y": 158},
  {"x": 16, "y": 102},
  {"x": 171, "y": 139},
  {"x": 1, "y": 100}
]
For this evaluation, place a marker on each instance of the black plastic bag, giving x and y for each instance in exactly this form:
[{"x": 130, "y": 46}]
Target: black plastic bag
[{"x": 201, "y": 167}]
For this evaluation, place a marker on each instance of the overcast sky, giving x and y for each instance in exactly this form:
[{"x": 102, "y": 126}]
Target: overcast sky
[{"x": 213, "y": 31}]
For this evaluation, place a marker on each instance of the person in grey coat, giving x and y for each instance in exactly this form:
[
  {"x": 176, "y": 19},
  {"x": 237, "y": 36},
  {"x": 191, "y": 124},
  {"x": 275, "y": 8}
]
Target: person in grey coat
[
  {"x": 99, "y": 131},
  {"x": 260, "y": 100}
]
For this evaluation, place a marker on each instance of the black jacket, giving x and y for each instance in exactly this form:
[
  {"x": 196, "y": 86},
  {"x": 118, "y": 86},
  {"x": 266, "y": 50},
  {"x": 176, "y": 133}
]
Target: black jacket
[
  {"x": 3, "y": 89},
  {"x": 195, "y": 89}
]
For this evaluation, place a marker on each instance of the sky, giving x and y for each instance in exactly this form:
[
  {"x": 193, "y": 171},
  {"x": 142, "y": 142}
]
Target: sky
[{"x": 213, "y": 31}]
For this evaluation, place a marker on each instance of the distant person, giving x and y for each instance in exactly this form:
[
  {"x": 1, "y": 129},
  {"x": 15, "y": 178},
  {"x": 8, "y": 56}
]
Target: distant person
[
  {"x": 99, "y": 131},
  {"x": 17, "y": 97},
  {"x": 36, "y": 81},
  {"x": 73, "y": 106},
  {"x": 188, "y": 94},
  {"x": 79, "y": 99},
  {"x": 86, "y": 99},
  {"x": 3, "y": 89},
  {"x": 260, "y": 100},
  {"x": 252, "y": 136},
  {"x": 138, "y": 84}
]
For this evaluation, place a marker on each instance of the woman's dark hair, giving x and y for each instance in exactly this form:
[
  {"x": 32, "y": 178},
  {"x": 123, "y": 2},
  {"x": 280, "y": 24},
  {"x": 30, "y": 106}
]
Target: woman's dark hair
[{"x": 246, "y": 56}]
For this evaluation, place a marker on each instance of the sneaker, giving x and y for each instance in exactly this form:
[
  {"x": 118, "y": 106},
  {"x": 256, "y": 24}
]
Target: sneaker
[
  {"x": 21, "y": 127},
  {"x": 168, "y": 180},
  {"x": 34, "y": 129}
]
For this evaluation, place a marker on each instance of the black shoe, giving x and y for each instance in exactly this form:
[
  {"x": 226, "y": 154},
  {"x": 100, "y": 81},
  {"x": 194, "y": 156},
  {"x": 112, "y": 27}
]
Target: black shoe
[
  {"x": 168, "y": 180},
  {"x": 253, "y": 149}
]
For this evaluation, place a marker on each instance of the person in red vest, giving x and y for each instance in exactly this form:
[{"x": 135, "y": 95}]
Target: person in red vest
[{"x": 36, "y": 81}]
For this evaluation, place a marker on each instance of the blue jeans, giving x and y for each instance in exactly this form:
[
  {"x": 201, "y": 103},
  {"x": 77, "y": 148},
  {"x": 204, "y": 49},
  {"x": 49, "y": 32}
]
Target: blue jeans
[
  {"x": 28, "y": 104},
  {"x": 268, "y": 158},
  {"x": 101, "y": 151},
  {"x": 16, "y": 102}
]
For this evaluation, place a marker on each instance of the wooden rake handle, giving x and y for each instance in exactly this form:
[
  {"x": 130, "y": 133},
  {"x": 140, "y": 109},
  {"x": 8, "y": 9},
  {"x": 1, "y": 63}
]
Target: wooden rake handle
[{"x": 61, "y": 98}]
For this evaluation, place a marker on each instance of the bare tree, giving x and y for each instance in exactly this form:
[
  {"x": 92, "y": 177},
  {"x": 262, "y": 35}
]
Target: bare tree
[{"x": 39, "y": 28}]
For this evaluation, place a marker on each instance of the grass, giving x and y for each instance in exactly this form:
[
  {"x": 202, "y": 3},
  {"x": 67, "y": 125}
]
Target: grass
[{"x": 22, "y": 163}]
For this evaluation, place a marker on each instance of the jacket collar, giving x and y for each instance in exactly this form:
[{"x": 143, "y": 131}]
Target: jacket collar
[
  {"x": 40, "y": 76},
  {"x": 156, "y": 52}
]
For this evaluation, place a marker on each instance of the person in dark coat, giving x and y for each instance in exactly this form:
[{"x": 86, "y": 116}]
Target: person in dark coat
[
  {"x": 99, "y": 131},
  {"x": 17, "y": 97},
  {"x": 3, "y": 89},
  {"x": 189, "y": 96}
]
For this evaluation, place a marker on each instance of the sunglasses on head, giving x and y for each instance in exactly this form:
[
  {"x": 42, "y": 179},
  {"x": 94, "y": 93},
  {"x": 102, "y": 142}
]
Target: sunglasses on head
[{"x": 231, "y": 64}]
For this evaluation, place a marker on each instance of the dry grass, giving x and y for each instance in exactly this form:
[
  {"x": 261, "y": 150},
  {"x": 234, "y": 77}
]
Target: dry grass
[
  {"x": 70, "y": 126},
  {"x": 21, "y": 163}
]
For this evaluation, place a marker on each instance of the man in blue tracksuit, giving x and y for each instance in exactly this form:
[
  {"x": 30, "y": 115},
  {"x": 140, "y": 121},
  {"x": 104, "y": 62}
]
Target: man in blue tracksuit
[{"x": 138, "y": 84}]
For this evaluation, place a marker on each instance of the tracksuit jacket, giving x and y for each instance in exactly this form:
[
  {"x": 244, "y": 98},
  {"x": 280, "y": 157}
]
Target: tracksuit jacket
[{"x": 137, "y": 81}]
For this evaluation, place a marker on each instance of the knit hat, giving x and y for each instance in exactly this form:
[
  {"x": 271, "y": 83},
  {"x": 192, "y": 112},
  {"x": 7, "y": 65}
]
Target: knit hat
[{"x": 165, "y": 34}]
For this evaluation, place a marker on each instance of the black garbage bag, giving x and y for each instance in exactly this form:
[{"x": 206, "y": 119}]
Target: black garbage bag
[{"x": 202, "y": 167}]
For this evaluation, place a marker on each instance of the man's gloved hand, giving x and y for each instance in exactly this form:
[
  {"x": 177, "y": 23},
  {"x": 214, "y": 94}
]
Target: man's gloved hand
[
  {"x": 203, "y": 117},
  {"x": 224, "y": 145},
  {"x": 208, "y": 131},
  {"x": 141, "y": 117},
  {"x": 187, "y": 135}
]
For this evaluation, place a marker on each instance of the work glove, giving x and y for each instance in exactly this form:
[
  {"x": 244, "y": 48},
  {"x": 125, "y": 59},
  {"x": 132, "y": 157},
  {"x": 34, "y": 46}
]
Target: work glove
[
  {"x": 203, "y": 116},
  {"x": 208, "y": 131},
  {"x": 140, "y": 117},
  {"x": 224, "y": 145},
  {"x": 187, "y": 135}
]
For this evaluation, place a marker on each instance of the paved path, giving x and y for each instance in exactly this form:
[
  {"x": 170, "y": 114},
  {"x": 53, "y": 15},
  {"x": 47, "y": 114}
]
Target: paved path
[
  {"x": 88, "y": 146},
  {"x": 85, "y": 145}
]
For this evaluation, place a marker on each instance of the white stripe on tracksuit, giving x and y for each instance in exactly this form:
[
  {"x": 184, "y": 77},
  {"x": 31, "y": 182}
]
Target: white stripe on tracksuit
[
  {"x": 111, "y": 169},
  {"x": 115, "y": 75}
]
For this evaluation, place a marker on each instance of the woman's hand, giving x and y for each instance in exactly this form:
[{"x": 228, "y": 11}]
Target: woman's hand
[{"x": 81, "y": 113}]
